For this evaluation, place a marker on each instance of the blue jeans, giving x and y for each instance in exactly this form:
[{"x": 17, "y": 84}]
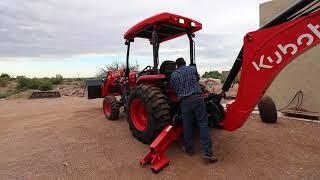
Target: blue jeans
[{"x": 194, "y": 108}]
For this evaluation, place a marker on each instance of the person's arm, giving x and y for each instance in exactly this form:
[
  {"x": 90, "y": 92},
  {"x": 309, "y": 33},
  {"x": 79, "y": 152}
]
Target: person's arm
[{"x": 196, "y": 73}]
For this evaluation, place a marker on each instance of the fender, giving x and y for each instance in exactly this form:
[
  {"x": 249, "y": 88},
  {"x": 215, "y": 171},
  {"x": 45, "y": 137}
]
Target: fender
[
  {"x": 266, "y": 53},
  {"x": 151, "y": 79}
]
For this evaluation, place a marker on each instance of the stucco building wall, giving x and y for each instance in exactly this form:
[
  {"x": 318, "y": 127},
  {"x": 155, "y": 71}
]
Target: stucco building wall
[{"x": 302, "y": 74}]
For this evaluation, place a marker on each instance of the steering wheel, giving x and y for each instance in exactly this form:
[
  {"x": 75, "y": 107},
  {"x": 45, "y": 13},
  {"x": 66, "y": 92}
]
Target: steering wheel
[{"x": 146, "y": 69}]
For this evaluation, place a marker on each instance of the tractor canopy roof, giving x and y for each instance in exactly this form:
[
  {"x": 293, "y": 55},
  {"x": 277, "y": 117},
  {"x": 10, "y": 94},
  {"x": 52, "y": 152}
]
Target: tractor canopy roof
[{"x": 169, "y": 26}]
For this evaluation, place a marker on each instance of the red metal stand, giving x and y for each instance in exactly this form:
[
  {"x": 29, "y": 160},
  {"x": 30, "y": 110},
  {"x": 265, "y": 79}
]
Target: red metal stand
[{"x": 156, "y": 157}]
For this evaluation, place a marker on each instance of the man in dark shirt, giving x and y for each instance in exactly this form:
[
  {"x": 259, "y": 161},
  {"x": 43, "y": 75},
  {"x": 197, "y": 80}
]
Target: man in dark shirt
[{"x": 185, "y": 82}]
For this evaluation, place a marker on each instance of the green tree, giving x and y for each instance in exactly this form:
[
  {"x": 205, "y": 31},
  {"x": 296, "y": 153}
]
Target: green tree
[{"x": 212, "y": 74}]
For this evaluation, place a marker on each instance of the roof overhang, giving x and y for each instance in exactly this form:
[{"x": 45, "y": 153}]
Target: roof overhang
[{"x": 169, "y": 26}]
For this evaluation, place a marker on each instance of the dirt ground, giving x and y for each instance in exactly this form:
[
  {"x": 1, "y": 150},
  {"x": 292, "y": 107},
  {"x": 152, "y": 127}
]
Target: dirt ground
[{"x": 69, "y": 138}]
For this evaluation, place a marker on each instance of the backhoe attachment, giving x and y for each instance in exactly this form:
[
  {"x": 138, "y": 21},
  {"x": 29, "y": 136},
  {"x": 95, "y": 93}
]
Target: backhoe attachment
[{"x": 265, "y": 53}]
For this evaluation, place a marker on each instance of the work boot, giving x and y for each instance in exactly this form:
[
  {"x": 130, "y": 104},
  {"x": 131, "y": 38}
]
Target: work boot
[{"x": 210, "y": 157}]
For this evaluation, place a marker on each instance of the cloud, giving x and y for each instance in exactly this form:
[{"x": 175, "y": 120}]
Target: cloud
[{"x": 57, "y": 29}]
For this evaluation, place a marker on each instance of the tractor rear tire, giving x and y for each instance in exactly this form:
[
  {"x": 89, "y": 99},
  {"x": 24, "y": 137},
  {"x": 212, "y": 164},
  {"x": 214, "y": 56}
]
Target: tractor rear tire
[
  {"x": 111, "y": 108},
  {"x": 148, "y": 113},
  {"x": 267, "y": 110}
]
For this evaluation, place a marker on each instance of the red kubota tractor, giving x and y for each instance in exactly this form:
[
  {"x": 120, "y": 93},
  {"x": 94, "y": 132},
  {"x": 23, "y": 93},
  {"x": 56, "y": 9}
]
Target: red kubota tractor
[
  {"x": 147, "y": 96},
  {"x": 151, "y": 103}
]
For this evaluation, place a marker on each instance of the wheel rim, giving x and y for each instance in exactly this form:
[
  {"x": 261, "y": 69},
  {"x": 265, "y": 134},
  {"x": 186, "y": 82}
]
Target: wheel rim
[
  {"x": 138, "y": 114},
  {"x": 107, "y": 109}
]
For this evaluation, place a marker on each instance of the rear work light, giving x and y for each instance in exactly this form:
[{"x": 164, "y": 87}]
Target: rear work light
[{"x": 181, "y": 21}]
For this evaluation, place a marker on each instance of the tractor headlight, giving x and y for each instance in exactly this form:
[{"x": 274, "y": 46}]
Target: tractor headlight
[
  {"x": 193, "y": 24},
  {"x": 181, "y": 21}
]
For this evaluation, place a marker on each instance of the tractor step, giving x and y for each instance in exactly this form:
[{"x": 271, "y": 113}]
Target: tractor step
[
  {"x": 45, "y": 94},
  {"x": 156, "y": 157}
]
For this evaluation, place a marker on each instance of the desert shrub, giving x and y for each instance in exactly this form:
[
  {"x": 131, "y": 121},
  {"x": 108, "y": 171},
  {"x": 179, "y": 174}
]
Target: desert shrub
[
  {"x": 3, "y": 95},
  {"x": 4, "y": 79},
  {"x": 46, "y": 79},
  {"x": 27, "y": 83},
  {"x": 57, "y": 80},
  {"x": 8, "y": 93},
  {"x": 4, "y": 75},
  {"x": 34, "y": 83},
  {"x": 3, "y": 82},
  {"x": 212, "y": 74},
  {"x": 22, "y": 82},
  {"x": 114, "y": 66},
  {"x": 45, "y": 86},
  {"x": 69, "y": 80}
]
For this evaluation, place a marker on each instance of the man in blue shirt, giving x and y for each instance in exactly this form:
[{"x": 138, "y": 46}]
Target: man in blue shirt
[{"x": 185, "y": 82}]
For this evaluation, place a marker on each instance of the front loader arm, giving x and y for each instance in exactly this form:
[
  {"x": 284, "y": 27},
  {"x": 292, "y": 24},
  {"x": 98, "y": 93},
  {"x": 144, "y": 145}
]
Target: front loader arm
[
  {"x": 111, "y": 78},
  {"x": 265, "y": 53}
]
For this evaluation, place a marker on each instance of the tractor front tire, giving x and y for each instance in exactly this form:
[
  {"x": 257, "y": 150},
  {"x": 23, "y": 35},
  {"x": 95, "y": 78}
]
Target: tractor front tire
[
  {"x": 267, "y": 110},
  {"x": 111, "y": 108},
  {"x": 148, "y": 113}
]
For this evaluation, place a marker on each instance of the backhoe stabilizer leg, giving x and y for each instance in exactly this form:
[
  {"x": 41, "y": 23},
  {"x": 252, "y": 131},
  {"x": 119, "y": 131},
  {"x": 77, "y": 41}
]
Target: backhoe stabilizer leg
[{"x": 156, "y": 157}]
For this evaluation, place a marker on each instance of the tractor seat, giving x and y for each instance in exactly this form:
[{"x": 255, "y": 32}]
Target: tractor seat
[{"x": 167, "y": 68}]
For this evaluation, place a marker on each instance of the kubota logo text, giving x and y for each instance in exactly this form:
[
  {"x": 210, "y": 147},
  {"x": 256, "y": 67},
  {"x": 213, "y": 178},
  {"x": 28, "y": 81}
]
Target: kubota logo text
[{"x": 307, "y": 38}]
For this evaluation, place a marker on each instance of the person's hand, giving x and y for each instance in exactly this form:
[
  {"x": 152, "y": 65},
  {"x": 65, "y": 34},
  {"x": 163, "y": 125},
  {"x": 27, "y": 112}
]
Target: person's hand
[{"x": 223, "y": 94}]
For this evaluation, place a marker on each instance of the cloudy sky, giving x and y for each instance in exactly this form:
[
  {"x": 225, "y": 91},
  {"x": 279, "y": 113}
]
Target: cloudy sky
[{"x": 77, "y": 37}]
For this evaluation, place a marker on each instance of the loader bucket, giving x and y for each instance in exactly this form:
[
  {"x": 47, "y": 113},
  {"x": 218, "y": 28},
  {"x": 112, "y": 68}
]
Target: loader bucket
[
  {"x": 93, "y": 88},
  {"x": 45, "y": 94}
]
